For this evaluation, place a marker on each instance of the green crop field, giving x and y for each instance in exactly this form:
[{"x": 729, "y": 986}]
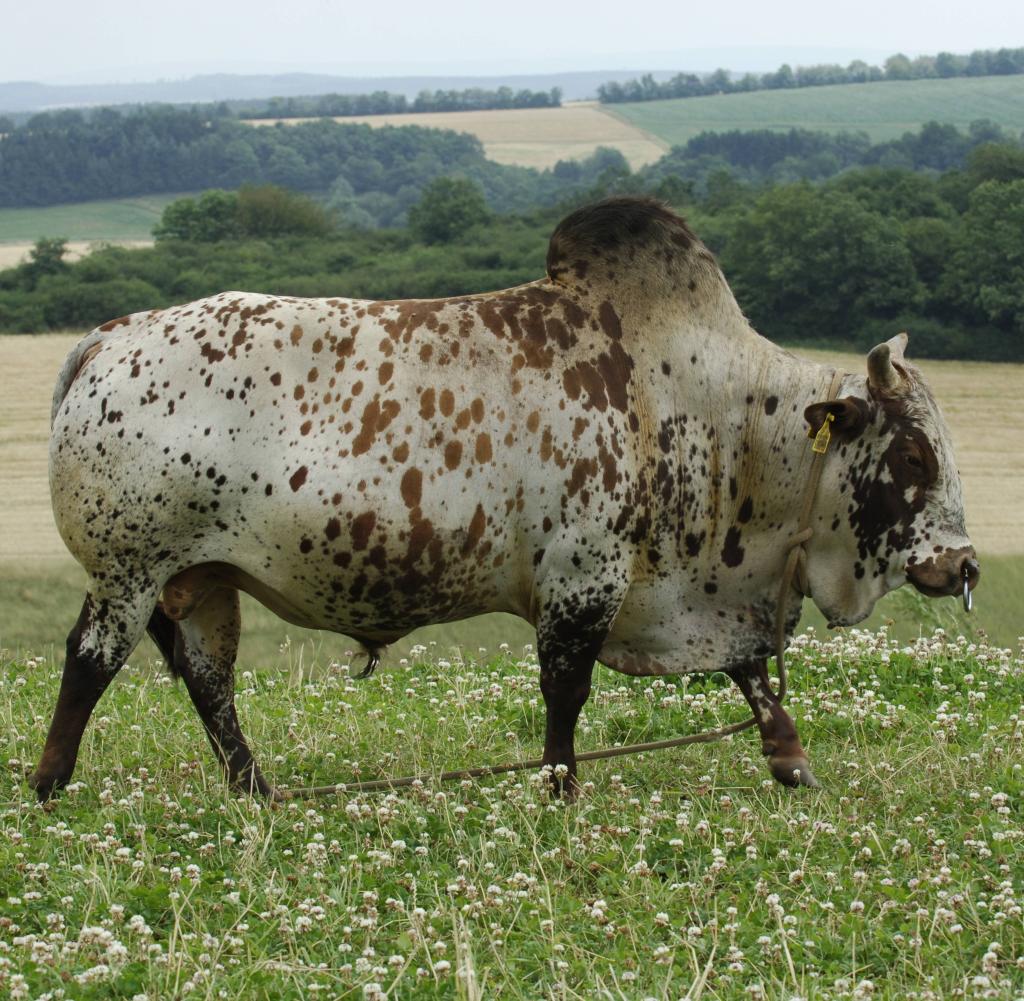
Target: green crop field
[
  {"x": 118, "y": 220},
  {"x": 884, "y": 110}
]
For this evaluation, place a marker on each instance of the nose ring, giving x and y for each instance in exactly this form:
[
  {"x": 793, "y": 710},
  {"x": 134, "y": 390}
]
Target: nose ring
[{"x": 968, "y": 600}]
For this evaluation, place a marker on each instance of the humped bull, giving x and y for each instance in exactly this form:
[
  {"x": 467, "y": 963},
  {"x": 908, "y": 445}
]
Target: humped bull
[{"x": 610, "y": 452}]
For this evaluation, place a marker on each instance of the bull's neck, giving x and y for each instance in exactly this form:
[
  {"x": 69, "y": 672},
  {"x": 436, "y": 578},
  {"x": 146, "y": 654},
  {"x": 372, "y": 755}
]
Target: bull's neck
[{"x": 743, "y": 444}]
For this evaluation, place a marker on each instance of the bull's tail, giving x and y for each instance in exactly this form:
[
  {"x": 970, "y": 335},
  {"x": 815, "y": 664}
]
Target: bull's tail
[{"x": 73, "y": 364}]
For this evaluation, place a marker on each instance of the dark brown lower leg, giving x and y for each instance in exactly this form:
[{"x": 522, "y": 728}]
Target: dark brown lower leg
[
  {"x": 565, "y": 692},
  {"x": 103, "y": 637},
  {"x": 779, "y": 740},
  {"x": 569, "y": 638},
  {"x": 205, "y": 646}
]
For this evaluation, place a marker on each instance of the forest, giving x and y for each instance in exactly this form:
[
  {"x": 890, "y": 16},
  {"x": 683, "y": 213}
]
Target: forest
[
  {"x": 846, "y": 260},
  {"x": 982, "y": 62}
]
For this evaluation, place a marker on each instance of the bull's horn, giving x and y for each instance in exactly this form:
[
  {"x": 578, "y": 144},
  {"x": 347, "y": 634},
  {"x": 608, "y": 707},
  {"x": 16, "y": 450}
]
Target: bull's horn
[
  {"x": 882, "y": 373},
  {"x": 898, "y": 345}
]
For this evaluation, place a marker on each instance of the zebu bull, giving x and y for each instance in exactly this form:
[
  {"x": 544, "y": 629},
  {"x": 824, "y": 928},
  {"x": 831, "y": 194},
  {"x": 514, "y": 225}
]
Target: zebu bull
[{"x": 611, "y": 453}]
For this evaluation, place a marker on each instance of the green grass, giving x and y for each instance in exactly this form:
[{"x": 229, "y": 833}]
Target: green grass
[
  {"x": 685, "y": 873},
  {"x": 883, "y": 110},
  {"x": 113, "y": 219},
  {"x": 39, "y": 609}
]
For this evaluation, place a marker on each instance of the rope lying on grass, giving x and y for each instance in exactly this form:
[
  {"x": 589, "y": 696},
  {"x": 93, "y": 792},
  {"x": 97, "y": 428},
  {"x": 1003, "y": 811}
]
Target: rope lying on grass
[{"x": 373, "y": 785}]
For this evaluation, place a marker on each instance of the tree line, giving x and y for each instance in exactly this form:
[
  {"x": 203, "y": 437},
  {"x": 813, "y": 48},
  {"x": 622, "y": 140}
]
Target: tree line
[
  {"x": 765, "y": 156},
  {"x": 382, "y": 102},
  {"x": 982, "y": 62},
  {"x": 844, "y": 262}
]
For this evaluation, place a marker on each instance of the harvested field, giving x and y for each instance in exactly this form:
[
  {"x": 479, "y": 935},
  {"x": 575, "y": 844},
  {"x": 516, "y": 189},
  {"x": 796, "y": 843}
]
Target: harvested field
[
  {"x": 12, "y": 254},
  {"x": 530, "y": 137}
]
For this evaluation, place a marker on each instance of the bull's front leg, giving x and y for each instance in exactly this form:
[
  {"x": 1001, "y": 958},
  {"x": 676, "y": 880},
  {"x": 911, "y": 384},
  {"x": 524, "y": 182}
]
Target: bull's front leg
[
  {"x": 565, "y": 685},
  {"x": 570, "y": 635},
  {"x": 779, "y": 740}
]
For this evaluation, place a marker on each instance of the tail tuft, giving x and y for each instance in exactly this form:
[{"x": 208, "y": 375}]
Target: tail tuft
[{"x": 372, "y": 660}]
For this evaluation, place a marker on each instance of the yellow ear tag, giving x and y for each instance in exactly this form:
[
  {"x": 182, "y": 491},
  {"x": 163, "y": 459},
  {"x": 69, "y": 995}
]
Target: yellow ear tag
[{"x": 824, "y": 436}]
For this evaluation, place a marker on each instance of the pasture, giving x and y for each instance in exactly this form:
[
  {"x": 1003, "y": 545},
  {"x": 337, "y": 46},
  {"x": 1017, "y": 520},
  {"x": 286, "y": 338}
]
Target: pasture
[
  {"x": 116, "y": 219},
  {"x": 679, "y": 874},
  {"x": 127, "y": 221},
  {"x": 883, "y": 110},
  {"x": 531, "y": 137}
]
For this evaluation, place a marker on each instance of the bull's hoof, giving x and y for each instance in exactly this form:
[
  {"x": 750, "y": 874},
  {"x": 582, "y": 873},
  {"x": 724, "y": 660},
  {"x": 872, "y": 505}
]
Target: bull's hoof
[
  {"x": 792, "y": 771},
  {"x": 255, "y": 786},
  {"x": 46, "y": 786},
  {"x": 562, "y": 785}
]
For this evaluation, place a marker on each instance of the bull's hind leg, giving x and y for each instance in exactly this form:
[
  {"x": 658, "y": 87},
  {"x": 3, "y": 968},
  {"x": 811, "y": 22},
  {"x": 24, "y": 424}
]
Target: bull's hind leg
[
  {"x": 202, "y": 649},
  {"x": 779, "y": 740},
  {"x": 107, "y": 631}
]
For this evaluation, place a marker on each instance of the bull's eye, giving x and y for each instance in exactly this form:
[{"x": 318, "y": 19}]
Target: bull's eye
[{"x": 914, "y": 461}]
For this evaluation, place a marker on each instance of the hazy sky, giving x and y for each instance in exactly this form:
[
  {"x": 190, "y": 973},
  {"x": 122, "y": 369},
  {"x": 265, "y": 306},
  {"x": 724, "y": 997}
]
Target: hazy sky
[{"x": 118, "y": 40}]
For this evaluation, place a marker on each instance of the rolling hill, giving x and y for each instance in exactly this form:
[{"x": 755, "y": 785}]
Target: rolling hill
[{"x": 883, "y": 110}]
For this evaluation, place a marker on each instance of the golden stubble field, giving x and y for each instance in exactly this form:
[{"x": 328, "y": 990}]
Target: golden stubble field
[
  {"x": 12, "y": 254},
  {"x": 981, "y": 401},
  {"x": 530, "y": 137}
]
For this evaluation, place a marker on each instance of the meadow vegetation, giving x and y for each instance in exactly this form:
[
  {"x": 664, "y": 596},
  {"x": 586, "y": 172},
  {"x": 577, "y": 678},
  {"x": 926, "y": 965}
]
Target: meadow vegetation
[{"x": 678, "y": 874}]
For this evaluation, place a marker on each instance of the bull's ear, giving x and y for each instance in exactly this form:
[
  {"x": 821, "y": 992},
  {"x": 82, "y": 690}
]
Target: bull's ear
[
  {"x": 849, "y": 416},
  {"x": 884, "y": 372}
]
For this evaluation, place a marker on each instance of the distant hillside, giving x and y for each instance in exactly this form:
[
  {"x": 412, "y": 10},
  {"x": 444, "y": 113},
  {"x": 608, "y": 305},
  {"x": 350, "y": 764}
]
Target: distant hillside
[
  {"x": 943, "y": 66},
  {"x": 884, "y": 110},
  {"x": 25, "y": 96}
]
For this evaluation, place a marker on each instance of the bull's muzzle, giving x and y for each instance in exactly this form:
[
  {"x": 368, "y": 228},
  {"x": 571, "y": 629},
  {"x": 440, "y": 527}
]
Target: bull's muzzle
[{"x": 952, "y": 572}]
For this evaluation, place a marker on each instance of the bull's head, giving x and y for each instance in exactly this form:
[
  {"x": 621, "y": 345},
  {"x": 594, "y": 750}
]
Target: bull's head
[{"x": 890, "y": 505}]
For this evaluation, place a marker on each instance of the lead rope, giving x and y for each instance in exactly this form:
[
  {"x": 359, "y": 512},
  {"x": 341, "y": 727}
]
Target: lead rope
[{"x": 795, "y": 567}]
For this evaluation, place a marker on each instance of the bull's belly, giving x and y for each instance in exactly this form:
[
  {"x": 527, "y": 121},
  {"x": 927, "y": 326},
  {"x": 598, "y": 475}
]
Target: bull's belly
[
  {"x": 652, "y": 636},
  {"x": 304, "y": 601},
  {"x": 634, "y": 658}
]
